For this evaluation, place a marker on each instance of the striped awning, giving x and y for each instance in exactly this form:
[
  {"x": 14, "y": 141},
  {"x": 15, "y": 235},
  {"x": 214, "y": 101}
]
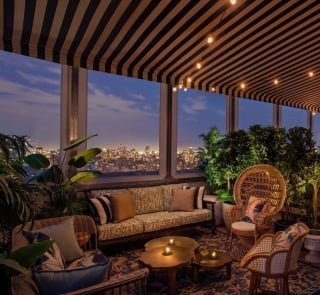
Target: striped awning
[{"x": 255, "y": 42}]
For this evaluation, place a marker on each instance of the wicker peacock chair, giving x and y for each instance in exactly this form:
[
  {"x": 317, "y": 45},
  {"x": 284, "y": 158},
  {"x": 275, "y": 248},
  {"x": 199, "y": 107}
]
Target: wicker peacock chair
[{"x": 259, "y": 193}]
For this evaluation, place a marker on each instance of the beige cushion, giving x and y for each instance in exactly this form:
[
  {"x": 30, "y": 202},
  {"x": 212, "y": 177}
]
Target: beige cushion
[
  {"x": 182, "y": 200},
  {"x": 243, "y": 226},
  {"x": 122, "y": 206},
  {"x": 63, "y": 234}
]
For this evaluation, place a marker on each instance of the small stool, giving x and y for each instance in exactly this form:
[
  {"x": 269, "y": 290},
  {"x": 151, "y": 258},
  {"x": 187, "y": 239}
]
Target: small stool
[{"x": 246, "y": 233}]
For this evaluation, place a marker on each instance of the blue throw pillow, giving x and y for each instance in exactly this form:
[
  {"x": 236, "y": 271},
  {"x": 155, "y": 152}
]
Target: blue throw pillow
[{"x": 84, "y": 272}]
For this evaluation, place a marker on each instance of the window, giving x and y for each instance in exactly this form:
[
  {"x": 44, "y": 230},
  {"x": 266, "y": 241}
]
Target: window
[
  {"x": 252, "y": 112},
  {"x": 124, "y": 112},
  {"x": 316, "y": 128},
  {"x": 30, "y": 99},
  {"x": 292, "y": 117},
  {"x": 198, "y": 111}
]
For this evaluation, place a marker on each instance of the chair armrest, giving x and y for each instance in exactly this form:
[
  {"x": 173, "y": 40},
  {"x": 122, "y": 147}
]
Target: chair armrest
[
  {"x": 136, "y": 281},
  {"x": 262, "y": 257}
]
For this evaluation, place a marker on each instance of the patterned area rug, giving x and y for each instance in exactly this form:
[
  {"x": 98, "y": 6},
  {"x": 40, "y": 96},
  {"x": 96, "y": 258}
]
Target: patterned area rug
[{"x": 305, "y": 281}]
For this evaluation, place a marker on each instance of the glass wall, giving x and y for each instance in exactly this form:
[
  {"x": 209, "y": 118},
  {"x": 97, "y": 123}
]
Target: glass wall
[
  {"x": 292, "y": 117},
  {"x": 316, "y": 129},
  {"x": 124, "y": 112},
  {"x": 198, "y": 111},
  {"x": 30, "y": 99},
  {"x": 252, "y": 112}
]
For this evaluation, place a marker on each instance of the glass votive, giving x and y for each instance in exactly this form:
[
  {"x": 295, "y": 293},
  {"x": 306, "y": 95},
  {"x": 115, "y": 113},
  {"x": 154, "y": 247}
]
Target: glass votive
[
  {"x": 167, "y": 251},
  {"x": 171, "y": 242},
  {"x": 214, "y": 255}
]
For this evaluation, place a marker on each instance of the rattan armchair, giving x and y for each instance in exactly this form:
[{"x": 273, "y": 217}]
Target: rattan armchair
[
  {"x": 275, "y": 256},
  {"x": 263, "y": 182},
  {"x": 86, "y": 232}
]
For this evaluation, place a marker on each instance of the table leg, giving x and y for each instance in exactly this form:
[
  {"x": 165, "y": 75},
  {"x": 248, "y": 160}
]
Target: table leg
[
  {"x": 172, "y": 276},
  {"x": 228, "y": 266},
  {"x": 195, "y": 273}
]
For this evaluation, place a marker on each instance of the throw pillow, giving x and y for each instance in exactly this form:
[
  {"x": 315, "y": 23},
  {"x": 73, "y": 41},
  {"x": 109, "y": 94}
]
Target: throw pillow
[
  {"x": 89, "y": 270},
  {"x": 182, "y": 200},
  {"x": 199, "y": 194},
  {"x": 285, "y": 239},
  {"x": 100, "y": 209},
  {"x": 122, "y": 206},
  {"x": 63, "y": 234},
  {"x": 51, "y": 259},
  {"x": 255, "y": 207}
]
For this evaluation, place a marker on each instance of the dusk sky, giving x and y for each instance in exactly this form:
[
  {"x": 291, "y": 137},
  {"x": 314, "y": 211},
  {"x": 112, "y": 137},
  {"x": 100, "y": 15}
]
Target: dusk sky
[{"x": 121, "y": 110}]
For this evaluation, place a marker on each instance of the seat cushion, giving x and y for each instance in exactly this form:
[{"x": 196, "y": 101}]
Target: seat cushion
[
  {"x": 91, "y": 269},
  {"x": 243, "y": 226}
]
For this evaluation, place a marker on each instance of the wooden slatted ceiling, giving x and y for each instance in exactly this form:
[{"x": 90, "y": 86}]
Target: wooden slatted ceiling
[{"x": 255, "y": 42}]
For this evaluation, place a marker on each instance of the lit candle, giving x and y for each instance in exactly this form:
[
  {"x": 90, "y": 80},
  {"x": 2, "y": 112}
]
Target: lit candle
[
  {"x": 171, "y": 241},
  {"x": 214, "y": 255},
  {"x": 167, "y": 250}
]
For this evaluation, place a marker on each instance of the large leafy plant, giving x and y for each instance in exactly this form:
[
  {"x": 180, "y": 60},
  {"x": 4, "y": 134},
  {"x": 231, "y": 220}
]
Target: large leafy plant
[
  {"x": 61, "y": 181},
  {"x": 20, "y": 202}
]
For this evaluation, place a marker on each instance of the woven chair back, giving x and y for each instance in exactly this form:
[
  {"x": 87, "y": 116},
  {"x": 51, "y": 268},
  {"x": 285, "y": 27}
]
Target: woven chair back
[{"x": 261, "y": 181}]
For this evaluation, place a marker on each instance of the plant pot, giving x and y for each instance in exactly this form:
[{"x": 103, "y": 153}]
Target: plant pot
[
  {"x": 226, "y": 214},
  {"x": 312, "y": 243}
]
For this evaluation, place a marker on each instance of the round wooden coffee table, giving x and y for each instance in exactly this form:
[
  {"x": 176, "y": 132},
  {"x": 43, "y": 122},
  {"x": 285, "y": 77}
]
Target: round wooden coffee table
[
  {"x": 182, "y": 251},
  {"x": 207, "y": 263}
]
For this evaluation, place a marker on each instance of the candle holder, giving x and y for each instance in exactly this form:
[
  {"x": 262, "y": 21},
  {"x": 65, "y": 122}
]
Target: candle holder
[{"x": 167, "y": 251}]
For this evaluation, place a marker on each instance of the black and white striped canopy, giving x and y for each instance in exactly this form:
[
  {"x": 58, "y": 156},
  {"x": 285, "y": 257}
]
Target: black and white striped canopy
[{"x": 162, "y": 40}]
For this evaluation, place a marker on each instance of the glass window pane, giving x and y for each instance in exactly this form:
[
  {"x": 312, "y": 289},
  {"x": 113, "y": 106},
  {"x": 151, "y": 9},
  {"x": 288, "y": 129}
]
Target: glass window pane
[
  {"x": 316, "y": 128},
  {"x": 124, "y": 112},
  {"x": 198, "y": 111},
  {"x": 292, "y": 117},
  {"x": 30, "y": 99},
  {"x": 252, "y": 112}
]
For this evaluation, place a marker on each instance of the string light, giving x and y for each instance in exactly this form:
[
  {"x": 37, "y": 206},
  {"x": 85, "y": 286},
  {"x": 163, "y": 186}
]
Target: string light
[
  {"x": 213, "y": 89},
  {"x": 311, "y": 74},
  {"x": 276, "y": 81},
  {"x": 198, "y": 65},
  {"x": 233, "y": 2},
  {"x": 210, "y": 39},
  {"x": 242, "y": 86},
  {"x": 174, "y": 89},
  {"x": 189, "y": 79}
]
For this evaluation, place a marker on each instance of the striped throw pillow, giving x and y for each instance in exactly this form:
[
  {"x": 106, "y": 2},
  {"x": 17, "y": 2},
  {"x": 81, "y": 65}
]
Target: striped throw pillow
[{"x": 100, "y": 208}]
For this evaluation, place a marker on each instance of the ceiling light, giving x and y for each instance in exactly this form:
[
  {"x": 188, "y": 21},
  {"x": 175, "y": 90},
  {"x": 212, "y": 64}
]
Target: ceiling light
[
  {"x": 180, "y": 86},
  {"x": 198, "y": 65},
  {"x": 242, "y": 86},
  {"x": 276, "y": 81},
  {"x": 311, "y": 74},
  {"x": 185, "y": 89},
  {"x": 233, "y": 2},
  {"x": 189, "y": 79},
  {"x": 174, "y": 89},
  {"x": 314, "y": 113},
  {"x": 210, "y": 40},
  {"x": 213, "y": 89}
]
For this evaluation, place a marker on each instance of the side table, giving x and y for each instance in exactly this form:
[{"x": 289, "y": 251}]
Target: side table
[{"x": 210, "y": 200}]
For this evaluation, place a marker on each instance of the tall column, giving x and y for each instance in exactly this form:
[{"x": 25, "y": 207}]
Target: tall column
[
  {"x": 277, "y": 116},
  {"x": 73, "y": 106},
  {"x": 232, "y": 110},
  {"x": 310, "y": 121}
]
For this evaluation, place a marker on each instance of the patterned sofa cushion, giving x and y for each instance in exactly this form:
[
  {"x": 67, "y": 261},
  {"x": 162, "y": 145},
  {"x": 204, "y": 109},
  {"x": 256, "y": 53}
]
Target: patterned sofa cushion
[
  {"x": 125, "y": 228},
  {"x": 148, "y": 199}
]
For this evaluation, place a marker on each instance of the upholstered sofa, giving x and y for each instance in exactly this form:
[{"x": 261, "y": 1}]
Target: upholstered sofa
[
  {"x": 76, "y": 237},
  {"x": 154, "y": 209}
]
